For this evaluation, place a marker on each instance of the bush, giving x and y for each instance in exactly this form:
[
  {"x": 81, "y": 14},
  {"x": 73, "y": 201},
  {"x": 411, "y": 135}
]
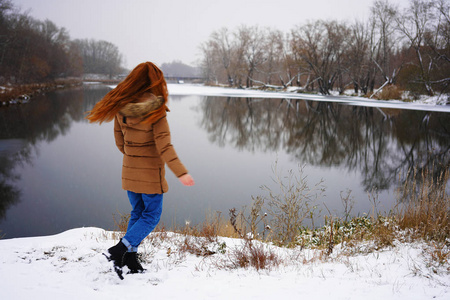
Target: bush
[{"x": 390, "y": 92}]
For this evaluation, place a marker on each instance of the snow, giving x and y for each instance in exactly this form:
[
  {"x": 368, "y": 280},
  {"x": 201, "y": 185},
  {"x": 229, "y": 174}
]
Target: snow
[
  {"x": 425, "y": 103},
  {"x": 70, "y": 265}
]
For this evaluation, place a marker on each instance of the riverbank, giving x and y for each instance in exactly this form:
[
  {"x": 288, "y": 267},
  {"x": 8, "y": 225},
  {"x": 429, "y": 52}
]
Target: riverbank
[
  {"x": 435, "y": 103},
  {"x": 11, "y": 94}
]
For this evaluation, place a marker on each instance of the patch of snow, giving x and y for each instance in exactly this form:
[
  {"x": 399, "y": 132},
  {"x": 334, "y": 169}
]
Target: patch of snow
[{"x": 434, "y": 100}]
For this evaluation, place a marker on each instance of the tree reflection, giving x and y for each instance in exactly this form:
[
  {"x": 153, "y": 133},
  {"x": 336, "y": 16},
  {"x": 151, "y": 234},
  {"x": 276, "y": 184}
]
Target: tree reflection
[
  {"x": 379, "y": 143},
  {"x": 9, "y": 194},
  {"x": 24, "y": 127}
]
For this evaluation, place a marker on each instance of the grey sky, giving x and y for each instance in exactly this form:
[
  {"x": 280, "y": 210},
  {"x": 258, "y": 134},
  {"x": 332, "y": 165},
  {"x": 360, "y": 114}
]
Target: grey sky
[{"x": 166, "y": 30}]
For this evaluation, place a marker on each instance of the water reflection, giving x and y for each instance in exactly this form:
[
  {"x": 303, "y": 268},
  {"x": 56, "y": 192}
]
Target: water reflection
[
  {"x": 24, "y": 127},
  {"x": 381, "y": 144}
]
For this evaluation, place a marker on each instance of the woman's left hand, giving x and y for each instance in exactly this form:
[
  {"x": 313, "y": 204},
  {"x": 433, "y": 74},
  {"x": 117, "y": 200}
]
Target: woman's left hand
[{"x": 187, "y": 180}]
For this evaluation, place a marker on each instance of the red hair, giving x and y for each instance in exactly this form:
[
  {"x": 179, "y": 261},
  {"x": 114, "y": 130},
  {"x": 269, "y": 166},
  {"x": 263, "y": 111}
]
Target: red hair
[{"x": 145, "y": 77}]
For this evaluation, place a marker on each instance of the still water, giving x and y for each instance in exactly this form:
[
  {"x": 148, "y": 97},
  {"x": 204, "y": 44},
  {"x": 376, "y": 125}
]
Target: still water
[{"x": 58, "y": 172}]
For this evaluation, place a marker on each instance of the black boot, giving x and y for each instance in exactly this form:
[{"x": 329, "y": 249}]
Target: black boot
[
  {"x": 132, "y": 262},
  {"x": 117, "y": 254}
]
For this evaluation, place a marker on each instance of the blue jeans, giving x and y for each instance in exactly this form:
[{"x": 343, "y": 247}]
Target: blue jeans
[{"x": 145, "y": 214}]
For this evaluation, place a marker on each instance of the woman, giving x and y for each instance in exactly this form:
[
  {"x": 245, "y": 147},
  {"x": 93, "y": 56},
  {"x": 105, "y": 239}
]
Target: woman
[{"x": 138, "y": 106}]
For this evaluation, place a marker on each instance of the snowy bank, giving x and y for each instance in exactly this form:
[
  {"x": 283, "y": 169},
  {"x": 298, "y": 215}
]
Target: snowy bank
[
  {"x": 70, "y": 265},
  {"x": 425, "y": 104}
]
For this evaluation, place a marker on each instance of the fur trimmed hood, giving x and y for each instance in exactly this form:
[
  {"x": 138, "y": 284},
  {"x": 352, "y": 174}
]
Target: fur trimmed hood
[{"x": 144, "y": 105}]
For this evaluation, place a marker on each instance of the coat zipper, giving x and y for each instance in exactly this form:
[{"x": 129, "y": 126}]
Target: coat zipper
[{"x": 160, "y": 180}]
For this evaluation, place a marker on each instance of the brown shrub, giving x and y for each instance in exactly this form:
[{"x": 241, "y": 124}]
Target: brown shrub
[
  {"x": 251, "y": 255},
  {"x": 390, "y": 92}
]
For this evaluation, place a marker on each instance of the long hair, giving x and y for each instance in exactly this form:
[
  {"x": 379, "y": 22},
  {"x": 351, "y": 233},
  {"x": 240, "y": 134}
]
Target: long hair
[{"x": 145, "y": 77}]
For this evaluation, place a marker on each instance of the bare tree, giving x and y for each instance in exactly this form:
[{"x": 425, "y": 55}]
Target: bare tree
[
  {"x": 5, "y": 38},
  {"x": 274, "y": 52},
  {"x": 321, "y": 45},
  {"x": 359, "y": 57},
  {"x": 414, "y": 23},
  {"x": 222, "y": 46},
  {"x": 254, "y": 53},
  {"x": 438, "y": 39},
  {"x": 338, "y": 35},
  {"x": 383, "y": 40},
  {"x": 207, "y": 63},
  {"x": 241, "y": 41}
]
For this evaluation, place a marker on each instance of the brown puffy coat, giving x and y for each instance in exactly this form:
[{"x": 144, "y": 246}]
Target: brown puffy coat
[{"x": 146, "y": 149}]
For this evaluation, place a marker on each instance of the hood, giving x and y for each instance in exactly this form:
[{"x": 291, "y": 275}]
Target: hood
[{"x": 143, "y": 106}]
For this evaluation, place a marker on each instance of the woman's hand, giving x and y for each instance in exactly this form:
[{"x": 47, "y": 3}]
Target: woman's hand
[{"x": 186, "y": 180}]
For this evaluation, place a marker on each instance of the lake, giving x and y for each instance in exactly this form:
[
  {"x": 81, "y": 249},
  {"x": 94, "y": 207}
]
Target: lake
[{"x": 59, "y": 172}]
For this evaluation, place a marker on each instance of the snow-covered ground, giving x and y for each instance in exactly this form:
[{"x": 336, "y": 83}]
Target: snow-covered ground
[
  {"x": 425, "y": 103},
  {"x": 70, "y": 265}
]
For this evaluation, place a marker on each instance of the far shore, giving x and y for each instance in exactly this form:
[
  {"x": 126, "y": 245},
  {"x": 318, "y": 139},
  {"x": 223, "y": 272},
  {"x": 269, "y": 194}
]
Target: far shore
[{"x": 11, "y": 94}]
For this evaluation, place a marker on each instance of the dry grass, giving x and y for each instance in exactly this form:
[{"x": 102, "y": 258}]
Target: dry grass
[
  {"x": 439, "y": 255},
  {"x": 121, "y": 224},
  {"x": 290, "y": 204},
  {"x": 214, "y": 225},
  {"x": 424, "y": 206},
  {"x": 256, "y": 255}
]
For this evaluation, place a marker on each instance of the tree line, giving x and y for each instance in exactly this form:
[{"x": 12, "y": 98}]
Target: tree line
[
  {"x": 38, "y": 51},
  {"x": 408, "y": 48}
]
